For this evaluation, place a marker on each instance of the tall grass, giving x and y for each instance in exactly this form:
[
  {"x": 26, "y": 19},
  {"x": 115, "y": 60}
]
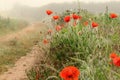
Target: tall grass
[{"x": 85, "y": 47}]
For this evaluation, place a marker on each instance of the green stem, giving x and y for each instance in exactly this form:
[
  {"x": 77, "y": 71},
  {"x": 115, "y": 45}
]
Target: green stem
[{"x": 113, "y": 72}]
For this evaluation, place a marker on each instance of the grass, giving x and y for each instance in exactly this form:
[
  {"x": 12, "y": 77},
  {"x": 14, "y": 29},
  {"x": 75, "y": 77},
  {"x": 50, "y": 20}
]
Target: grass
[
  {"x": 82, "y": 46},
  {"x": 8, "y": 25}
]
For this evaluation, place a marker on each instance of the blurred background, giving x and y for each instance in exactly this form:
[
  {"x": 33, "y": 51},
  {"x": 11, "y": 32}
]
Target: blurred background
[{"x": 34, "y": 10}]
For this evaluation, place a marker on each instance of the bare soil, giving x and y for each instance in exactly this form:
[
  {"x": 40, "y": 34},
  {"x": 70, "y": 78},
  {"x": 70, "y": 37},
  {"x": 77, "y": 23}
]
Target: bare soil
[{"x": 18, "y": 72}]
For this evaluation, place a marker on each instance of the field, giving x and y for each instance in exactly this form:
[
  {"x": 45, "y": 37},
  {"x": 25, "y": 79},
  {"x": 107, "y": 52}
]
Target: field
[
  {"x": 68, "y": 45},
  {"x": 8, "y": 25}
]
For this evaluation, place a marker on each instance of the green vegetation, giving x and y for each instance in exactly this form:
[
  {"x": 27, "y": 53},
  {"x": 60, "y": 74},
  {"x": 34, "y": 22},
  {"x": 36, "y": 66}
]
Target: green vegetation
[
  {"x": 8, "y": 25},
  {"x": 86, "y": 47}
]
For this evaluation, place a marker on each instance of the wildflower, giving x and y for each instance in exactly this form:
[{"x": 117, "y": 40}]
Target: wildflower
[
  {"x": 116, "y": 61},
  {"x": 67, "y": 18},
  {"x": 49, "y": 31},
  {"x": 94, "y": 24},
  {"x": 56, "y": 17},
  {"x": 62, "y": 25},
  {"x": 113, "y": 15},
  {"x": 58, "y": 28},
  {"x": 80, "y": 17},
  {"x": 85, "y": 23},
  {"x": 37, "y": 74},
  {"x": 49, "y": 12},
  {"x": 45, "y": 41},
  {"x": 75, "y": 16},
  {"x": 113, "y": 55},
  {"x": 70, "y": 73}
]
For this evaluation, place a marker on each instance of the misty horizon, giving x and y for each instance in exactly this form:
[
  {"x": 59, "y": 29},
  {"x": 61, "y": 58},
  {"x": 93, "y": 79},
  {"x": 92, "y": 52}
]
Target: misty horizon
[
  {"x": 7, "y": 5},
  {"x": 30, "y": 13}
]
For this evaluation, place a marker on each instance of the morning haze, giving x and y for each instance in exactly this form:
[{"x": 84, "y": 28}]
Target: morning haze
[
  {"x": 8, "y": 4},
  {"x": 36, "y": 13}
]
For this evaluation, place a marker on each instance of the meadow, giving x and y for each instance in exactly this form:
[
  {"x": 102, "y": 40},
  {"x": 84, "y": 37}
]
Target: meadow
[{"x": 80, "y": 45}]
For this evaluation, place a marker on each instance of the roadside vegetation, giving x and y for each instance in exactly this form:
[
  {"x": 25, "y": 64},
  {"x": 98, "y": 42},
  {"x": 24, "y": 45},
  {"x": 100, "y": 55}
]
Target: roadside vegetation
[{"x": 80, "y": 46}]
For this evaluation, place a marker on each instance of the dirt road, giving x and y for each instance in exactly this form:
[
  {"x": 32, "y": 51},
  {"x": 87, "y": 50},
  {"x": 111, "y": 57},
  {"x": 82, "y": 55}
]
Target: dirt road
[{"x": 18, "y": 72}]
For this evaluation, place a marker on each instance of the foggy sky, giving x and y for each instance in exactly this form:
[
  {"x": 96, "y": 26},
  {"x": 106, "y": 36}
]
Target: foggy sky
[{"x": 8, "y": 4}]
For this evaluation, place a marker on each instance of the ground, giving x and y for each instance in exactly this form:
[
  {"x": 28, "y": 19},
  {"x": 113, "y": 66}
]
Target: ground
[{"x": 18, "y": 72}]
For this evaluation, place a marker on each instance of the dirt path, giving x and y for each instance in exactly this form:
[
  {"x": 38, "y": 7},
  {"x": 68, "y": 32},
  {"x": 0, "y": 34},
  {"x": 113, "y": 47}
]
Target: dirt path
[{"x": 18, "y": 72}]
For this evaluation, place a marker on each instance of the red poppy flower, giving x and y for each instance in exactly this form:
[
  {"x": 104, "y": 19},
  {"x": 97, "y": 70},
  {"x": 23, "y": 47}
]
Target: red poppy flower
[
  {"x": 56, "y": 17},
  {"x": 113, "y": 15},
  {"x": 113, "y": 55},
  {"x": 85, "y": 23},
  {"x": 94, "y": 24},
  {"x": 58, "y": 28},
  {"x": 70, "y": 73},
  {"x": 116, "y": 61},
  {"x": 37, "y": 74},
  {"x": 49, "y": 31},
  {"x": 49, "y": 12},
  {"x": 67, "y": 18},
  {"x": 75, "y": 16},
  {"x": 62, "y": 25},
  {"x": 45, "y": 41},
  {"x": 80, "y": 17}
]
